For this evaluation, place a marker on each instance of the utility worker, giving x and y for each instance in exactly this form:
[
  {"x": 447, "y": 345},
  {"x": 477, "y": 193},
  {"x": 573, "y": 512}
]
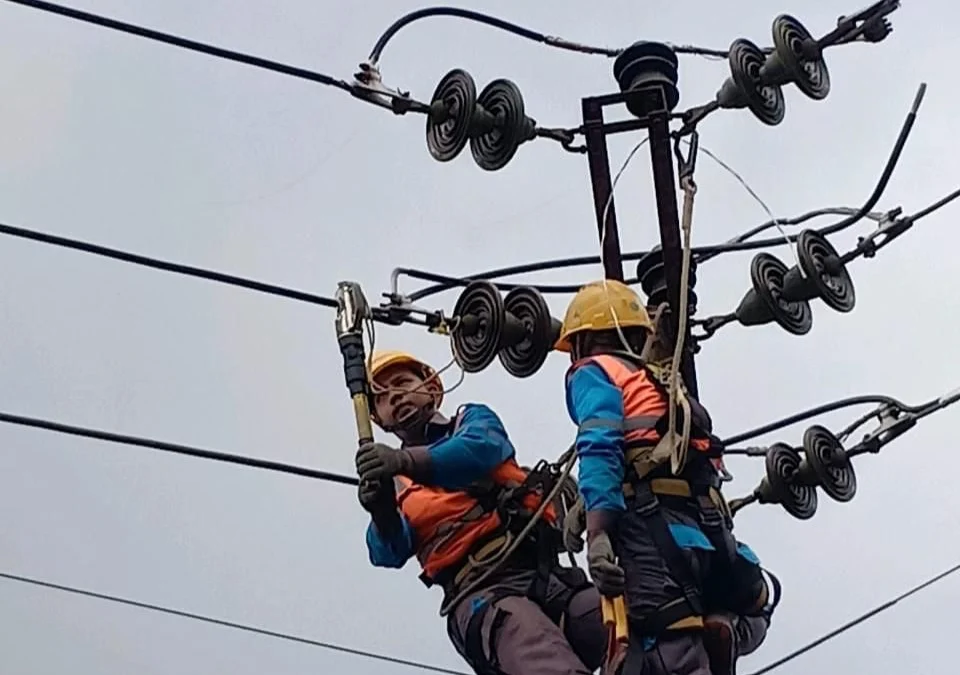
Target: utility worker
[
  {"x": 452, "y": 494},
  {"x": 696, "y": 598}
]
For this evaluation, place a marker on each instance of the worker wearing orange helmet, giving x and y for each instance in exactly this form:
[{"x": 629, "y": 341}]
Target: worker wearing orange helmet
[
  {"x": 696, "y": 598},
  {"x": 453, "y": 496}
]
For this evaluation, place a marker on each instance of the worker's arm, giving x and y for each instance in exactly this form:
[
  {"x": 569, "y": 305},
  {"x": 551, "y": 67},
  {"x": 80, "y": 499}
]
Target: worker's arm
[
  {"x": 596, "y": 406},
  {"x": 471, "y": 452},
  {"x": 390, "y": 551}
]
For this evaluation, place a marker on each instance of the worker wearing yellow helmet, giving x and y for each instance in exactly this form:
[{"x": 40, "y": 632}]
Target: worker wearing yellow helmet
[
  {"x": 696, "y": 598},
  {"x": 453, "y": 495}
]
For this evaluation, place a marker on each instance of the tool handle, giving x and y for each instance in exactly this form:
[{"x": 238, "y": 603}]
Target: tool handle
[
  {"x": 614, "y": 612},
  {"x": 355, "y": 374}
]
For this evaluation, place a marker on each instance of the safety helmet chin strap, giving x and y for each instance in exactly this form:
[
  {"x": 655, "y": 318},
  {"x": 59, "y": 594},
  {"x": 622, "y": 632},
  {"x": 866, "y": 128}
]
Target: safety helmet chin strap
[{"x": 416, "y": 420}]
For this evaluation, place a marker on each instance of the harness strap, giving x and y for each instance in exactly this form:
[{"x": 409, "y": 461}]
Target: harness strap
[
  {"x": 685, "y": 612},
  {"x": 648, "y": 507},
  {"x": 674, "y": 615},
  {"x": 473, "y": 642}
]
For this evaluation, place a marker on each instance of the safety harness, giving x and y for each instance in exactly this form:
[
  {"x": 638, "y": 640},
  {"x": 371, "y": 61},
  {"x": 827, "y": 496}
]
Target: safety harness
[
  {"x": 523, "y": 540},
  {"x": 538, "y": 550},
  {"x": 650, "y": 482}
]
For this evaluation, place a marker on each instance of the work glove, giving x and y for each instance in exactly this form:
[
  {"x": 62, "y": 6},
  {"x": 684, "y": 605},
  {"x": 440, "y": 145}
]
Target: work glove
[
  {"x": 607, "y": 575},
  {"x": 379, "y": 499},
  {"x": 574, "y": 523},
  {"x": 374, "y": 495},
  {"x": 376, "y": 461}
]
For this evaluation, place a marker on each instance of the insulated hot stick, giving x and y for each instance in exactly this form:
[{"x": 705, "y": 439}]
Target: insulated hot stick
[
  {"x": 352, "y": 311},
  {"x": 792, "y": 479}
]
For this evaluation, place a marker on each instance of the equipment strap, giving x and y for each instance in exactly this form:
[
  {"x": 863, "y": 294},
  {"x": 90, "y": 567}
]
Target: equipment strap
[
  {"x": 648, "y": 507},
  {"x": 674, "y": 615}
]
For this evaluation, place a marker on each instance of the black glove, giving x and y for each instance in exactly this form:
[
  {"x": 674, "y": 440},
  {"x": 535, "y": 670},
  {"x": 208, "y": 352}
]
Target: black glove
[
  {"x": 607, "y": 575},
  {"x": 373, "y": 495},
  {"x": 379, "y": 499},
  {"x": 376, "y": 461}
]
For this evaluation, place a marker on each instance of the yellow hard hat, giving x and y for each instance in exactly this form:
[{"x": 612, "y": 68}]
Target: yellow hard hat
[
  {"x": 381, "y": 360},
  {"x": 602, "y": 305}
]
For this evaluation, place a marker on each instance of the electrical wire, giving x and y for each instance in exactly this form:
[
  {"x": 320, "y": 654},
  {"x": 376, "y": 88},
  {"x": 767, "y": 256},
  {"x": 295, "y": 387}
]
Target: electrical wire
[
  {"x": 516, "y": 29},
  {"x": 704, "y": 253},
  {"x": 707, "y": 252},
  {"x": 449, "y": 282},
  {"x": 185, "y": 43},
  {"x": 446, "y": 283},
  {"x": 178, "y": 268},
  {"x": 777, "y": 222},
  {"x": 939, "y": 204},
  {"x": 175, "y": 448},
  {"x": 821, "y": 410},
  {"x": 581, "y": 261},
  {"x": 855, "y": 622},
  {"x": 739, "y": 243},
  {"x": 228, "y": 624},
  {"x": 480, "y": 17}
]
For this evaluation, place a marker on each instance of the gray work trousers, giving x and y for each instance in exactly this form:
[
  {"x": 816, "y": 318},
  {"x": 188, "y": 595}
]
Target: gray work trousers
[
  {"x": 685, "y": 652},
  {"x": 650, "y": 585},
  {"x": 514, "y": 635}
]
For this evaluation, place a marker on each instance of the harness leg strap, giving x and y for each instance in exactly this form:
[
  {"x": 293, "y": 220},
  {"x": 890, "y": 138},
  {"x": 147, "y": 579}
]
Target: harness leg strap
[{"x": 648, "y": 507}]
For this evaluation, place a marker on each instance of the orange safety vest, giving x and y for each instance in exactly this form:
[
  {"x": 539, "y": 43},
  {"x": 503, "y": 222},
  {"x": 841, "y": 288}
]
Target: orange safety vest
[
  {"x": 449, "y": 525},
  {"x": 645, "y": 408}
]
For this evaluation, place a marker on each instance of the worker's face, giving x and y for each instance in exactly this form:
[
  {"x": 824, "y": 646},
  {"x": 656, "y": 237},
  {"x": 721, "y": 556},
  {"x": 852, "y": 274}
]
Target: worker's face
[{"x": 401, "y": 394}]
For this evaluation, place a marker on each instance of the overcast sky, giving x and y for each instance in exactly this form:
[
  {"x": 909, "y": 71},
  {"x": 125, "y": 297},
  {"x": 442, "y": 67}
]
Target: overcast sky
[{"x": 145, "y": 147}]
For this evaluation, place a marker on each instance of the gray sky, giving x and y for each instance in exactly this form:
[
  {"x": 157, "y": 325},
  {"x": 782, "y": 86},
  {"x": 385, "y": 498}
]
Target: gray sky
[{"x": 141, "y": 146}]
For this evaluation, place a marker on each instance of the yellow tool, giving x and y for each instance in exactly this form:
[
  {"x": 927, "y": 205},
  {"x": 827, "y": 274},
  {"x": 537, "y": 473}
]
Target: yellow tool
[
  {"x": 352, "y": 311},
  {"x": 614, "y": 613}
]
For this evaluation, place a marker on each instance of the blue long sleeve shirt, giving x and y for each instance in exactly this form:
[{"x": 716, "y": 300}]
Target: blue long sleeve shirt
[
  {"x": 458, "y": 457},
  {"x": 595, "y": 405}
]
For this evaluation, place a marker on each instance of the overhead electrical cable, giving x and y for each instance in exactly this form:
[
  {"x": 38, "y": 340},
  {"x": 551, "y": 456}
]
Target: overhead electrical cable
[
  {"x": 855, "y": 622},
  {"x": 185, "y": 43},
  {"x": 739, "y": 243},
  {"x": 229, "y": 624},
  {"x": 822, "y": 410},
  {"x": 707, "y": 252},
  {"x": 480, "y": 17},
  {"x": 516, "y": 29},
  {"x": 163, "y": 446},
  {"x": 579, "y": 261},
  {"x": 167, "y": 266}
]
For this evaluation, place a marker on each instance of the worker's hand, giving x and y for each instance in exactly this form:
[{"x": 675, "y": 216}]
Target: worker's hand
[
  {"x": 574, "y": 523},
  {"x": 607, "y": 575},
  {"x": 375, "y": 495},
  {"x": 377, "y": 461}
]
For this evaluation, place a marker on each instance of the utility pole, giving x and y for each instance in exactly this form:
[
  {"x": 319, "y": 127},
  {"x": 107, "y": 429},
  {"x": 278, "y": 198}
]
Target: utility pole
[{"x": 647, "y": 75}]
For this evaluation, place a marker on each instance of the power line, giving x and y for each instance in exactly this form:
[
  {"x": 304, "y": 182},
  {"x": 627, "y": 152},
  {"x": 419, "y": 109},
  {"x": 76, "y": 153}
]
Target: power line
[
  {"x": 493, "y": 21},
  {"x": 850, "y": 624},
  {"x": 229, "y": 624},
  {"x": 529, "y": 34},
  {"x": 185, "y": 43},
  {"x": 163, "y": 446},
  {"x": 445, "y": 283},
  {"x": 821, "y": 410},
  {"x": 156, "y": 263}
]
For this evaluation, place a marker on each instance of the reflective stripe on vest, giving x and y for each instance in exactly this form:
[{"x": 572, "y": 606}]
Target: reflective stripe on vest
[{"x": 644, "y": 403}]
